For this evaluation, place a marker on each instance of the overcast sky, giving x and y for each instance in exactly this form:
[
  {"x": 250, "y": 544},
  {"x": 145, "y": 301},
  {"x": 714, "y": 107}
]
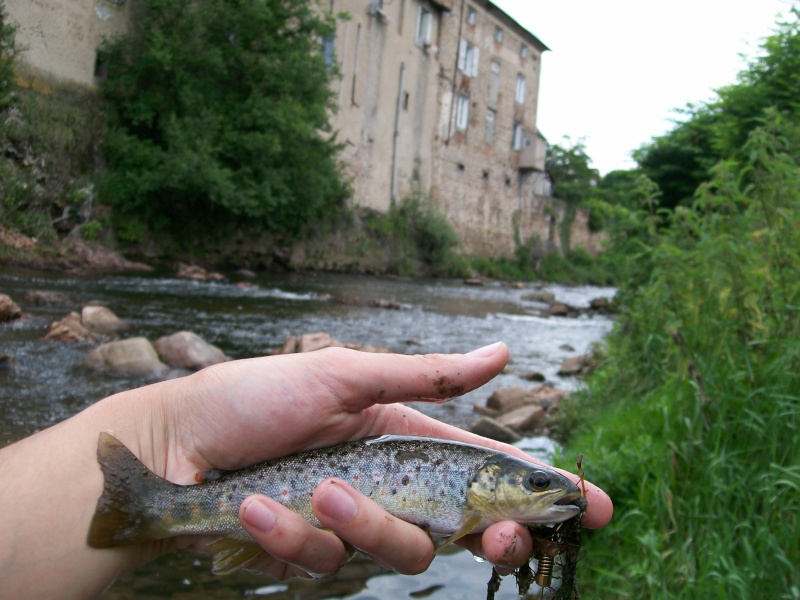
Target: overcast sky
[{"x": 618, "y": 69}]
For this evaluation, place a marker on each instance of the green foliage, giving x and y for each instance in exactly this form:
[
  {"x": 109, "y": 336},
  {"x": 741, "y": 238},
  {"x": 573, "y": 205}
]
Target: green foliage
[
  {"x": 691, "y": 423},
  {"x": 568, "y": 167},
  {"x": 8, "y": 53},
  {"x": 682, "y": 160},
  {"x": 219, "y": 114},
  {"x": 415, "y": 237}
]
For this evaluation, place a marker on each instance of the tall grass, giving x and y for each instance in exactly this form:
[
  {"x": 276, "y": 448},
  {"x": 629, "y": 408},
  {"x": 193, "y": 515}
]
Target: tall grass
[{"x": 693, "y": 422}]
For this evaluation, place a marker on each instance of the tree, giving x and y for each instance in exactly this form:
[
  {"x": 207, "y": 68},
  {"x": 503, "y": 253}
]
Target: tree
[
  {"x": 679, "y": 161},
  {"x": 569, "y": 169},
  {"x": 219, "y": 114}
]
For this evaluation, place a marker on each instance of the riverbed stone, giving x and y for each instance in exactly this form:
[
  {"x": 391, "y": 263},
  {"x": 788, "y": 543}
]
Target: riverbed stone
[
  {"x": 133, "y": 356},
  {"x": 187, "y": 350},
  {"x": 576, "y": 365},
  {"x": 507, "y": 399},
  {"x": 542, "y": 296},
  {"x": 70, "y": 330},
  {"x": 7, "y": 362},
  {"x": 197, "y": 273},
  {"x": 99, "y": 319},
  {"x": 490, "y": 428},
  {"x": 44, "y": 298},
  {"x": 525, "y": 419},
  {"x": 9, "y": 310}
]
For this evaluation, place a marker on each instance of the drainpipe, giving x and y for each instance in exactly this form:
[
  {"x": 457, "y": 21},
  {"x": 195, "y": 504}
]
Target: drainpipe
[
  {"x": 397, "y": 130},
  {"x": 455, "y": 73}
]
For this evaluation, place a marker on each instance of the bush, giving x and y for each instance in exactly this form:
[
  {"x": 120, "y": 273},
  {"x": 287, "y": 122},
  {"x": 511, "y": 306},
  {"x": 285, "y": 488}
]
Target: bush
[
  {"x": 692, "y": 422},
  {"x": 216, "y": 113}
]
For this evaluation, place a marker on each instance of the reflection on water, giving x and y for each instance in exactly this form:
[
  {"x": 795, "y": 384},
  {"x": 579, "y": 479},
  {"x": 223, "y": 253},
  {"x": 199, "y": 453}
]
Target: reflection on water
[{"x": 47, "y": 385}]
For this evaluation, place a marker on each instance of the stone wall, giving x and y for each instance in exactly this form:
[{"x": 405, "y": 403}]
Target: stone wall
[{"x": 60, "y": 37}]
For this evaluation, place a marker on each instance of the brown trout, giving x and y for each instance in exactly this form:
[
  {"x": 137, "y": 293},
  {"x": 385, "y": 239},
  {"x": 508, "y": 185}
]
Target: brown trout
[{"x": 449, "y": 488}]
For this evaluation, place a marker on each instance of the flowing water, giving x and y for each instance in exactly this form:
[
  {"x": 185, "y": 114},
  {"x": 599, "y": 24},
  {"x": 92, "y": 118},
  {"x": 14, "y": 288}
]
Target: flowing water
[{"x": 47, "y": 384}]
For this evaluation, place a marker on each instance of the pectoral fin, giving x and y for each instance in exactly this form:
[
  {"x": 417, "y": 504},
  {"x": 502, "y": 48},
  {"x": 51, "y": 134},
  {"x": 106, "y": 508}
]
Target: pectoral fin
[
  {"x": 467, "y": 525},
  {"x": 232, "y": 555}
]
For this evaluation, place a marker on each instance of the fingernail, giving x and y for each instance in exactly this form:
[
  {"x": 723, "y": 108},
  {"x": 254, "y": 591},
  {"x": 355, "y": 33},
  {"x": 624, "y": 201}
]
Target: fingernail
[
  {"x": 485, "y": 351},
  {"x": 337, "y": 504},
  {"x": 259, "y": 516}
]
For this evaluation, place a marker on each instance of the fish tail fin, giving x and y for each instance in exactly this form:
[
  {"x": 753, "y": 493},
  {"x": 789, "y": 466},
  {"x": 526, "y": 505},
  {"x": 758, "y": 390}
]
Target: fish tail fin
[{"x": 121, "y": 518}]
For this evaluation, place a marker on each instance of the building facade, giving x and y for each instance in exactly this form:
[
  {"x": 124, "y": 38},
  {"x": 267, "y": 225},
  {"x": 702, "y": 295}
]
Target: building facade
[
  {"x": 437, "y": 97},
  {"x": 60, "y": 37},
  {"x": 441, "y": 97}
]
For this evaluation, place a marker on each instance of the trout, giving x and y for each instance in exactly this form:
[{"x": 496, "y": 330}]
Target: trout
[{"x": 448, "y": 488}]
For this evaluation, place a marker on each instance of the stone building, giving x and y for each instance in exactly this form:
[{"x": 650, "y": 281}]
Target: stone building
[
  {"x": 60, "y": 37},
  {"x": 441, "y": 97},
  {"x": 434, "y": 96}
]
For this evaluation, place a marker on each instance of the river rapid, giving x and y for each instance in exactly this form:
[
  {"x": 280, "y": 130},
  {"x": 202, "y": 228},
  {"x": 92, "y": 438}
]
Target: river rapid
[{"x": 47, "y": 385}]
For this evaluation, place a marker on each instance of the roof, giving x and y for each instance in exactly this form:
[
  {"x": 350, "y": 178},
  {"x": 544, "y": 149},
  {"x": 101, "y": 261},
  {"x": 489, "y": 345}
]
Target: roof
[{"x": 503, "y": 17}]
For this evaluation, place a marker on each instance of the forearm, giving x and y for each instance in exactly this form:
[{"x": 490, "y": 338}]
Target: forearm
[{"x": 50, "y": 485}]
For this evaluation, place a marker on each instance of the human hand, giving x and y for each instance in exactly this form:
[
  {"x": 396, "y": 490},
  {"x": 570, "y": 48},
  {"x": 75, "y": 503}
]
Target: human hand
[
  {"x": 245, "y": 412},
  {"x": 235, "y": 415}
]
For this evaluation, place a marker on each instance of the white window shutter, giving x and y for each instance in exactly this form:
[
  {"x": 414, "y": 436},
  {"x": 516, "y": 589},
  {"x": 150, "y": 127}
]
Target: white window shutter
[
  {"x": 462, "y": 55},
  {"x": 475, "y": 60}
]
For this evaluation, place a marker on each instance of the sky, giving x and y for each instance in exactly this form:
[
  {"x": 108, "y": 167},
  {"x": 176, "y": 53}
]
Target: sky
[{"x": 617, "y": 70}]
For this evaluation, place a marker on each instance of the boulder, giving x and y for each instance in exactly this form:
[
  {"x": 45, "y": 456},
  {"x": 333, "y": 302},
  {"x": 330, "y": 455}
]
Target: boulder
[
  {"x": 246, "y": 274},
  {"x": 134, "y": 356},
  {"x": 477, "y": 281},
  {"x": 542, "y": 296},
  {"x": 549, "y": 398},
  {"x": 98, "y": 319},
  {"x": 40, "y": 298},
  {"x": 576, "y": 365},
  {"x": 309, "y": 342},
  {"x": 489, "y": 428},
  {"x": 507, "y": 399},
  {"x": 7, "y": 362},
  {"x": 373, "y": 302},
  {"x": 8, "y": 309},
  {"x": 187, "y": 350},
  {"x": 70, "y": 330},
  {"x": 533, "y": 376},
  {"x": 559, "y": 309},
  {"x": 526, "y": 419},
  {"x": 601, "y": 304},
  {"x": 197, "y": 273}
]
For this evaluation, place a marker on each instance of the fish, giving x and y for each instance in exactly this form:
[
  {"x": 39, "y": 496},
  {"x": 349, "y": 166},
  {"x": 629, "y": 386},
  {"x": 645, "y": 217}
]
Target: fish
[{"x": 448, "y": 488}]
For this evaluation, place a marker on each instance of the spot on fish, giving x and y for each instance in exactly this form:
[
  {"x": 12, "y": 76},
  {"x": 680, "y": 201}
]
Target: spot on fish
[
  {"x": 279, "y": 468},
  {"x": 406, "y": 455},
  {"x": 404, "y": 480}
]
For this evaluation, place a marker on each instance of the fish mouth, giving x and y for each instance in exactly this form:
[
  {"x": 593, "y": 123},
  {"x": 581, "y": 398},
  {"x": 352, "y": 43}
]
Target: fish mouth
[{"x": 572, "y": 499}]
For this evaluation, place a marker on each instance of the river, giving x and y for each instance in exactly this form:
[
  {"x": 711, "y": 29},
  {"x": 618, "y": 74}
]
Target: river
[{"x": 46, "y": 384}]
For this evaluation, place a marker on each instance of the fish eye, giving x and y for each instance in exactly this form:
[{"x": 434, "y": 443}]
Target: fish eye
[{"x": 539, "y": 480}]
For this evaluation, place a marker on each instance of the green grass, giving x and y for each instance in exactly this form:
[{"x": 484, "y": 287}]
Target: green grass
[{"x": 692, "y": 424}]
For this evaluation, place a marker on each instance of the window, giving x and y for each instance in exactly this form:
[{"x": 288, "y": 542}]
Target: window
[
  {"x": 328, "y": 51},
  {"x": 523, "y": 51},
  {"x": 520, "y": 97},
  {"x": 468, "y": 56},
  {"x": 490, "y": 118},
  {"x": 494, "y": 84},
  {"x": 472, "y": 16},
  {"x": 498, "y": 35},
  {"x": 462, "y": 112},
  {"x": 516, "y": 140},
  {"x": 424, "y": 27}
]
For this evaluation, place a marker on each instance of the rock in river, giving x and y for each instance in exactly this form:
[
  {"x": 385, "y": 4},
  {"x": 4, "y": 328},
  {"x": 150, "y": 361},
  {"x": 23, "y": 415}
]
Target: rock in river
[
  {"x": 134, "y": 356},
  {"x": 188, "y": 350},
  {"x": 70, "y": 330},
  {"x": 8, "y": 309},
  {"x": 99, "y": 319}
]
